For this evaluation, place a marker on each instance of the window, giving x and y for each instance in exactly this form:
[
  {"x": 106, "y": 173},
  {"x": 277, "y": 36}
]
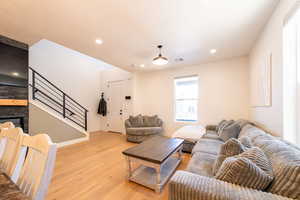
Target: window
[
  {"x": 291, "y": 77},
  {"x": 186, "y": 99}
]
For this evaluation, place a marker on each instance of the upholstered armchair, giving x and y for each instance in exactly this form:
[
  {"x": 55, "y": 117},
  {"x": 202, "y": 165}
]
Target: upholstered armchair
[{"x": 140, "y": 128}]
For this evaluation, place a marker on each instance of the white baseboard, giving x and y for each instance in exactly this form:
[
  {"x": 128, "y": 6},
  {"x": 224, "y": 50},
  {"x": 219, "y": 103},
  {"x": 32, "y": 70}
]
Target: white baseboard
[{"x": 75, "y": 141}]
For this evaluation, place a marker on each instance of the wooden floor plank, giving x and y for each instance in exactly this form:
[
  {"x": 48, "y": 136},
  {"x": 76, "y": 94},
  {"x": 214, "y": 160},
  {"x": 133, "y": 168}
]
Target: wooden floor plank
[{"x": 96, "y": 170}]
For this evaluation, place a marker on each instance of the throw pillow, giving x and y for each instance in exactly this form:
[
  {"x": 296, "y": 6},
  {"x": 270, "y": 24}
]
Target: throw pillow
[
  {"x": 150, "y": 121},
  {"x": 230, "y": 148},
  {"x": 136, "y": 121},
  {"x": 245, "y": 140},
  {"x": 223, "y": 125},
  {"x": 250, "y": 169},
  {"x": 230, "y": 131},
  {"x": 220, "y": 124}
]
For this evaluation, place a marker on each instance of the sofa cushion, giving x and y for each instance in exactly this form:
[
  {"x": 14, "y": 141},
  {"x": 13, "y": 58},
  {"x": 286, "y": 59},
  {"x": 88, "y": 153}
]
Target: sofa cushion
[
  {"x": 230, "y": 131},
  {"x": 150, "y": 121},
  {"x": 189, "y": 186},
  {"x": 143, "y": 131},
  {"x": 201, "y": 163},
  {"x": 206, "y": 145},
  {"x": 290, "y": 144},
  {"x": 212, "y": 135},
  {"x": 286, "y": 165},
  {"x": 136, "y": 121},
  {"x": 230, "y": 148},
  {"x": 250, "y": 169},
  {"x": 245, "y": 140},
  {"x": 287, "y": 175},
  {"x": 253, "y": 132},
  {"x": 285, "y": 161}
]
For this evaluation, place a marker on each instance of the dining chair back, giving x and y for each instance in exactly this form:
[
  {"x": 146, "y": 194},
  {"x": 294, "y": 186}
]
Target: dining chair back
[
  {"x": 38, "y": 166},
  {"x": 4, "y": 126},
  {"x": 12, "y": 155}
]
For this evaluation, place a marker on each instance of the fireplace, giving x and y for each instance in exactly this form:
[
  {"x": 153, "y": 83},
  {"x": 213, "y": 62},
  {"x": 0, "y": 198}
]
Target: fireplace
[
  {"x": 14, "y": 92},
  {"x": 17, "y": 120}
]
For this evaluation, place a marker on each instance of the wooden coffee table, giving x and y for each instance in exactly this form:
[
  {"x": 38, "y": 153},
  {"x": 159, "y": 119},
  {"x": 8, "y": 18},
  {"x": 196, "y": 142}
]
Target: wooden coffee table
[{"x": 157, "y": 159}]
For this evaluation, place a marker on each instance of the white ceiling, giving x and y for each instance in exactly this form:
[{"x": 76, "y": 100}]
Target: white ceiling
[{"x": 132, "y": 29}]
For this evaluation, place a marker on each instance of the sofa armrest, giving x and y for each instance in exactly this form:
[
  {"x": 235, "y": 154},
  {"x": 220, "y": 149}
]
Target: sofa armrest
[
  {"x": 159, "y": 122},
  {"x": 188, "y": 186},
  {"x": 211, "y": 127},
  {"x": 127, "y": 123}
]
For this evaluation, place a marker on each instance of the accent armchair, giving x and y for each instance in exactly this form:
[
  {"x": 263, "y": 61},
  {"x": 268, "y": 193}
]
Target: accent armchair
[{"x": 140, "y": 128}]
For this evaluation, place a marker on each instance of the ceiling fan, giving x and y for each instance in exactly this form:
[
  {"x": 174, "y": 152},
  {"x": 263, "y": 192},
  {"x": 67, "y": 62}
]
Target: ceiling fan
[{"x": 160, "y": 60}]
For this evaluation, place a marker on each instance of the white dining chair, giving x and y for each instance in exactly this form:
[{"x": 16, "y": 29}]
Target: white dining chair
[
  {"x": 13, "y": 155},
  {"x": 38, "y": 167},
  {"x": 4, "y": 126}
]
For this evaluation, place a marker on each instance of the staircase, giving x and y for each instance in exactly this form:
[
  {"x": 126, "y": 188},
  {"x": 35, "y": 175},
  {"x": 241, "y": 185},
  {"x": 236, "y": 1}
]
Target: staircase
[{"x": 52, "y": 97}]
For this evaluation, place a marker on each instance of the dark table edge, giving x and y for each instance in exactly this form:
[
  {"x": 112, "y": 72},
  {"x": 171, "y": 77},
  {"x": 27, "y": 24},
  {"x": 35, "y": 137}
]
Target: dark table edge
[{"x": 151, "y": 160}]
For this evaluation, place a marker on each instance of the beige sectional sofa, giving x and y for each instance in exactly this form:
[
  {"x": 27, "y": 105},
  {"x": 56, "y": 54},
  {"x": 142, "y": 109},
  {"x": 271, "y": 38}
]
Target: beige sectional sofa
[{"x": 197, "y": 182}]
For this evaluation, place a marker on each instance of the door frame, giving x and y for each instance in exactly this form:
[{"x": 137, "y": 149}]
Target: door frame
[{"x": 109, "y": 102}]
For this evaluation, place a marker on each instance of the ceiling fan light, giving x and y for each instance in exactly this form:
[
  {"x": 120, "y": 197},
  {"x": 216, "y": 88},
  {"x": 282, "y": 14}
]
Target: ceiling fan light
[{"x": 160, "y": 60}]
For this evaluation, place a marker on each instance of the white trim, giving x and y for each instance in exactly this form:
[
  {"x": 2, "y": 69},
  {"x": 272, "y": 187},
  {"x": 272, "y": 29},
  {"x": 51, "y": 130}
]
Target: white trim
[
  {"x": 127, "y": 79},
  {"x": 187, "y": 122},
  {"x": 291, "y": 12},
  {"x": 291, "y": 91},
  {"x": 174, "y": 99},
  {"x": 187, "y": 76},
  {"x": 75, "y": 141}
]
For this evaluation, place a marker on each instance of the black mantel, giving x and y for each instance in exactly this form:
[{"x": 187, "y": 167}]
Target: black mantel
[{"x": 18, "y": 114}]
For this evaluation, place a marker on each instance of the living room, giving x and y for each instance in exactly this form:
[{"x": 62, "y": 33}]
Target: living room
[{"x": 178, "y": 100}]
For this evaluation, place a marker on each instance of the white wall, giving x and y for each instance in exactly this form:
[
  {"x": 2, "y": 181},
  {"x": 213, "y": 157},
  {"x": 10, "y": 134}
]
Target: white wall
[
  {"x": 76, "y": 74},
  {"x": 270, "y": 41},
  {"x": 224, "y": 92},
  {"x": 111, "y": 75}
]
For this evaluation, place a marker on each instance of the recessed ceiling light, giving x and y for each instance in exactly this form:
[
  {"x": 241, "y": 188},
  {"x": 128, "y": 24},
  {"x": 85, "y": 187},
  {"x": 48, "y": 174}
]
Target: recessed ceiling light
[
  {"x": 99, "y": 41},
  {"x": 15, "y": 74},
  {"x": 142, "y": 65},
  {"x": 213, "y": 51}
]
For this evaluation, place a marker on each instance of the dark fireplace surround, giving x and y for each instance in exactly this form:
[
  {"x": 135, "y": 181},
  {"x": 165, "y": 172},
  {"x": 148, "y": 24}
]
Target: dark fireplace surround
[
  {"x": 17, "y": 114},
  {"x": 17, "y": 120}
]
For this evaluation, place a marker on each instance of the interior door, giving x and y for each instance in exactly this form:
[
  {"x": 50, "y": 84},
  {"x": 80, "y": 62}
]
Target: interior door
[{"x": 115, "y": 108}]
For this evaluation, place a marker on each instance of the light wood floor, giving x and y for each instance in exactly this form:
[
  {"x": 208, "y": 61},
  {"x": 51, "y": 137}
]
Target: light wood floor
[{"x": 96, "y": 170}]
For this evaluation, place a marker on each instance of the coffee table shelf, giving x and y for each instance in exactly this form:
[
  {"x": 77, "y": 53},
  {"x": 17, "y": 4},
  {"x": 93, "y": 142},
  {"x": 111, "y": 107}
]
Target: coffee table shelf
[
  {"x": 156, "y": 158},
  {"x": 147, "y": 176}
]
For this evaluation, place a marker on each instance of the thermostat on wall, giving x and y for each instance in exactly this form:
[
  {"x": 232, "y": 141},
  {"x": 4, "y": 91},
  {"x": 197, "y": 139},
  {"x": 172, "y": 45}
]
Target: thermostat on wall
[{"x": 127, "y": 97}]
